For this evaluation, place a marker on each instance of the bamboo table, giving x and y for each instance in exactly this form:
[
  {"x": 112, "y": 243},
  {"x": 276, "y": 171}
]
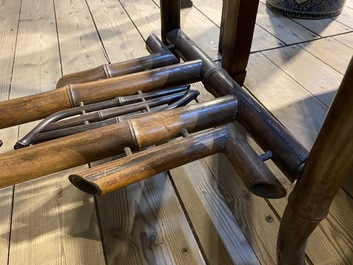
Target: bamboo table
[{"x": 330, "y": 159}]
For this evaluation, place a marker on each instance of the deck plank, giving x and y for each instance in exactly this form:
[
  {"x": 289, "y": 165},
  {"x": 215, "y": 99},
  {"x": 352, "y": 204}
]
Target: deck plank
[
  {"x": 324, "y": 27},
  {"x": 145, "y": 15},
  {"x": 297, "y": 114},
  {"x": 349, "y": 3},
  {"x": 252, "y": 212},
  {"x": 262, "y": 40},
  {"x": 284, "y": 28},
  {"x": 330, "y": 51},
  {"x": 120, "y": 38},
  {"x": 8, "y": 36},
  {"x": 80, "y": 46},
  {"x": 142, "y": 223},
  {"x": 44, "y": 216},
  {"x": 317, "y": 77},
  {"x": 347, "y": 39},
  {"x": 198, "y": 190},
  {"x": 346, "y": 17},
  {"x": 52, "y": 202}
]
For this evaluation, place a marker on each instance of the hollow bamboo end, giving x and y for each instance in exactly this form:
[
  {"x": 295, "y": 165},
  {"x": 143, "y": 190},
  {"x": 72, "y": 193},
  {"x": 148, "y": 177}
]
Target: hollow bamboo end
[
  {"x": 268, "y": 190},
  {"x": 85, "y": 185}
]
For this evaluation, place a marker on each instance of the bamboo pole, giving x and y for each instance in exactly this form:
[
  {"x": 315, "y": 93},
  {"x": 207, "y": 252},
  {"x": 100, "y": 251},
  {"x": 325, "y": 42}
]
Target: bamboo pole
[
  {"x": 288, "y": 154},
  {"x": 160, "y": 56},
  {"x": 136, "y": 167},
  {"x": 34, "y": 107},
  {"x": 82, "y": 148},
  {"x": 329, "y": 162}
]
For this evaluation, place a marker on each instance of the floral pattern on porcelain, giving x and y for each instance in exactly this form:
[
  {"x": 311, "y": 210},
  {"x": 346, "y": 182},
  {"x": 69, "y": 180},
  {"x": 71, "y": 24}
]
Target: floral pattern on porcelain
[{"x": 310, "y": 9}]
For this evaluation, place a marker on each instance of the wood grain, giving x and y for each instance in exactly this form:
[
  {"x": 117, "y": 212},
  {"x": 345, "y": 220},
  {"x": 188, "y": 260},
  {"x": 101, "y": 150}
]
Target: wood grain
[
  {"x": 209, "y": 199},
  {"x": 315, "y": 76},
  {"x": 331, "y": 52},
  {"x": 283, "y": 28},
  {"x": 46, "y": 226},
  {"x": 324, "y": 27},
  {"x": 298, "y": 115},
  {"x": 8, "y": 35},
  {"x": 346, "y": 39},
  {"x": 262, "y": 39},
  {"x": 129, "y": 227},
  {"x": 146, "y": 225},
  {"x": 119, "y": 36},
  {"x": 79, "y": 43},
  {"x": 346, "y": 17}
]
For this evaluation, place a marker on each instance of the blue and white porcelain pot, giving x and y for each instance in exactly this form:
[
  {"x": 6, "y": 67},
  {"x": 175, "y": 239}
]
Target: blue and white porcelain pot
[{"x": 309, "y": 9}]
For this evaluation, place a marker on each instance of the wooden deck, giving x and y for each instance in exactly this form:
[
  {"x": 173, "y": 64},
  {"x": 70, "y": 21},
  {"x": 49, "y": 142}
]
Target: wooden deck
[{"x": 196, "y": 214}]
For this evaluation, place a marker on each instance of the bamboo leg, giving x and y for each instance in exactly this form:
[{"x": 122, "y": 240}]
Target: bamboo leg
[
  {"x": 170, "y": 16},
  {"x": 237, "y": 28},
  {"x": 329, "y": 162}
]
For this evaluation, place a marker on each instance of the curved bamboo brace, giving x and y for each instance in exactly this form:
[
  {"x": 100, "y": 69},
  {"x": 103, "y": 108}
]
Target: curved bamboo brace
[
  {"x": 141, "y": 165},
  {"x": 107, "y": 119},
  {"x": 329, "y": 162}
]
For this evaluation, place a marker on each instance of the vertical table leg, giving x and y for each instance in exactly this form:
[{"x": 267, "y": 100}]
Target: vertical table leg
[
  {"x": 170, "y": 16},
  {"x": 329, "y": 162},
  {"x": 237, "y": 29}
]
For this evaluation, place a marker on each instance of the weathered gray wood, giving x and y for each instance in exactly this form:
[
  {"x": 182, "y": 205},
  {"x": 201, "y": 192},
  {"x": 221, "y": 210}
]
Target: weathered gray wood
[
  {"x": 323, "y": 27},
  {"x": 8, "y": 35},
  {"x": 133, "y": 230},
  {"x": 303, "y": 67},
  {"x": 47, "y": 225},
  {"x": 282, "y": 27},
  {"x": 120, "y": 38},
  {"x": 144, "y": 224},
  {"x": 301, "y": 114},
  {"x": 347, "y": 39},
  {"x": 331, "y": 52},
  {"x": 346, "y": 17},
  {"x": 208, "y": 198},
  {"x": 262, "y": 39}
]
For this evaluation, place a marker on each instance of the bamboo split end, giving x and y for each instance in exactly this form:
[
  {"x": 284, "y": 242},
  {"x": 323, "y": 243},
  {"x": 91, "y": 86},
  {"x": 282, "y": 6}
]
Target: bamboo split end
[{"x": 84, "y": 185}]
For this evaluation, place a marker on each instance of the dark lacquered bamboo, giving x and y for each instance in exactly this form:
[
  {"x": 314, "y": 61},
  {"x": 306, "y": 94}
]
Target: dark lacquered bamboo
[
  {"x": 87, "y": 121},
  {"x": 255, "y": 175},
  {"x": 119, "y": 173},
  {"x": 288, "y": 154},
  {"x": 39, "y": 106},
  {"x": 144, "y": 164},
  {"x": 113, "y": 112},
  {"x": 54, "y": 134},
  {"x": 237, "y": 28},
  {"x": 329, "y": 162},
  {"x": 42, "y": 159},
  {"x": 161, "y": 56},
  {"x": 170, "y": 16}
]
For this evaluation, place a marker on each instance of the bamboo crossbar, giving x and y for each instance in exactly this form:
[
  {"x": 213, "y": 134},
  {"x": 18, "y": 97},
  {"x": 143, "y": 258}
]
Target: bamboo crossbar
[
  {"x": 35, "y": 107},
  {"x": 136, "y": 167},
  {"x": 160, "y": 56},
  {"x": 288, "y": 153},
  {"x": 78, "y": 149}
]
